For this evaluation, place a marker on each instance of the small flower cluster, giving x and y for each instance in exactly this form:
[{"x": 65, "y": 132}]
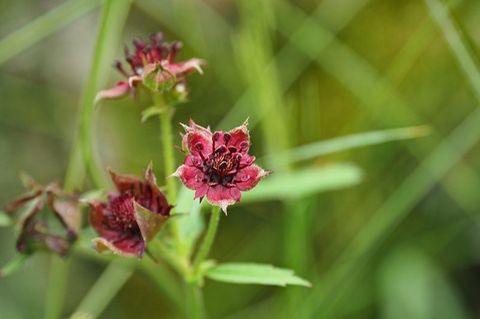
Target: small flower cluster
[{"x": 153, "y": 65}]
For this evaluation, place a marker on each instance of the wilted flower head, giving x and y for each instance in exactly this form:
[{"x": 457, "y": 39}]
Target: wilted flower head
[
  {"x": 131, "y": 217},
  {"x": 218, "y": 165},
  {"x": 48, "y": 218},
  {"x": 153, "y": 65}
]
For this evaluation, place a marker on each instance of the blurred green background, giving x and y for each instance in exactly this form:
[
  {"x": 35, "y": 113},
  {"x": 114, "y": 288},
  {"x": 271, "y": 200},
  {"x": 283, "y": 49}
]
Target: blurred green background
[{"x": 402, "y": 242}]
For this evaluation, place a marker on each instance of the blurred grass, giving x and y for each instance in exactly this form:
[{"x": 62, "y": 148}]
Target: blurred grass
[
  {"x": 43, "y": 26},
  {"x": 329, "y": 69}
]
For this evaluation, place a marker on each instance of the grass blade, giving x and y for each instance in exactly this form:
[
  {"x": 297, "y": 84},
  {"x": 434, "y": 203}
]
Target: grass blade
[
  {"x": 104, "y": 290},
  {"x": 457, "y": 43},
  {"x": 43, "y": 26}
]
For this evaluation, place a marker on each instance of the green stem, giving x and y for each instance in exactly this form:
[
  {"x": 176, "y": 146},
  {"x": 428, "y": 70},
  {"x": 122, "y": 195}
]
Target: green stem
[
  {"x": 57, "y": 286},
  {"x": 195, "y": 306},
  {"x": 177, "y": 262},
  {"x": 168, "y": 158},
  {"x": 168, "y": 155},
  {"x": 208, "y": 239}
]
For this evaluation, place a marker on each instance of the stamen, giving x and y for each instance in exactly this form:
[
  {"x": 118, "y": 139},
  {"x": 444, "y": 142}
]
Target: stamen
[
  {"x": 119, "y": 67},
  {"x": 226, "y": 138},
  {"x": 174, "y": 49},
  {"x": 215, "y": 138}
]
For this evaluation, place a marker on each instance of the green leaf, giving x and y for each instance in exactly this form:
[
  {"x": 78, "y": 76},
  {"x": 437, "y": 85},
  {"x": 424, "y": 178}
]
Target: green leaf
[
  {"x": 5, "y": 220},
  {"x": 151, "y": 111},
  {"x": 191, "y": 225},
  {"x": 252, "y": 273},
  {"x": 304, "y": 182},
  {"x": 96, "y": 194},
  {"x": 13, "y": 265}
]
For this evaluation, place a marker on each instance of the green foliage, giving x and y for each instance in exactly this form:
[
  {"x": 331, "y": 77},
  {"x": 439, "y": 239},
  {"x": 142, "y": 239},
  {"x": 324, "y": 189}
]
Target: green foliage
[
  {"x": 251, "y": 273},
  {"x": 413, "y": 286},
  {"x": 305, "y": 182}
]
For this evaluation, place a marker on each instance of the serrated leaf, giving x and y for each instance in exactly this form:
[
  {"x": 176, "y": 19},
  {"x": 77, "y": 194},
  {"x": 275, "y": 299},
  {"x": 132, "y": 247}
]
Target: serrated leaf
[
  {"x": 304, "y": 182},
  {"x": 253, "y": 273}
]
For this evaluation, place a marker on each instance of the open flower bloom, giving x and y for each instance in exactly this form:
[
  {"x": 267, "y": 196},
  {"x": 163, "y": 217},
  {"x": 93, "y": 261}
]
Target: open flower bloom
[
  {"x": 131, "y": 217},
  {"x": 48, "y": 219},
  {"x": 153, "y": 64},
  {"x": 218, "y": 165}
]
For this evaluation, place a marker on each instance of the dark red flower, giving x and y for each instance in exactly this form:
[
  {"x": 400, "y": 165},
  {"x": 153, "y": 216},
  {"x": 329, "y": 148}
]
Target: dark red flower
[
  {"x": 131, "y": 217},
  {"x": 218, "y": 165},
  {"x": 48, "y": 218},
  {"x": 153, "y": 64}
]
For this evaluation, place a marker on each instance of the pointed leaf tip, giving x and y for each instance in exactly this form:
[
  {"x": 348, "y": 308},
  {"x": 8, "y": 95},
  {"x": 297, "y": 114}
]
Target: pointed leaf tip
[{"x": 253, "y": 273}]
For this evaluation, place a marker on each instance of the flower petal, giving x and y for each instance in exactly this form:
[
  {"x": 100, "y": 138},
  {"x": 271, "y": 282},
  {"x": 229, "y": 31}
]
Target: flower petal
[
  {"x": 201, "y": 191},
  {"x": 240, "y": 138},
  {"x": 68, "y": 211},
  {"x": 97, "y": 217},
  {"x": 223, "y": 196},
  {"x": 126, "y": 183},
  {"x": 190, "y": 176},
  {"x": 146, "y": 192},
  {"x": 249, "y": 176},
  {"x": 197, "y": 139},
  {"x": 185, "y": 67},
  {"x": 57, "y": 244},
  {"x": 152, "y": 197},
  {"x": 13, "y": 206},
  {"x": 125, "y": 248},
  {"x": 120, "y": 89}
]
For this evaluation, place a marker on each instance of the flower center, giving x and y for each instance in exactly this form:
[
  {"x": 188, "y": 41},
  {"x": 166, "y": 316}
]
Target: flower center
[
  {"x": 122, "y": 213},
  {"x": 222, "y": 165},
  {"x": 156, "y": 51}
]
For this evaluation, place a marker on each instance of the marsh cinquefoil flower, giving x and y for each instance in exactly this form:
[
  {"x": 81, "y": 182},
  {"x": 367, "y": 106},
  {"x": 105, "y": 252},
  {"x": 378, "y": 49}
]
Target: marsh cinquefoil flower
[
  {"x": 48, "y": 218},
  {"x": 153, "y": 65},
  {"x": 131, "y": 217},
  {"x": 218, "y": 165}
]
